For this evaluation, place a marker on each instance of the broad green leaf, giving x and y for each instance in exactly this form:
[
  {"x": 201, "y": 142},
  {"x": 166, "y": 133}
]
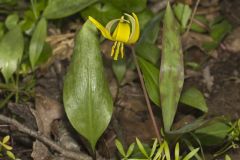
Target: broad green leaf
[
  {"x": 103, "y": 12},
  {"x": 37, "y": 41},
  {"x": 196, "y": 27},
  {"x": 141, "y": 148},
  {"x": 144, "y": 17},
  {"x": 146, "y": 47},
  {"x": 194, "y": 98},
  {"x": 45, "y": 54},
  {"x": 119, "y": 68},
  {"x": 87, "y": 99},
  {"x": 220, "y": 30},
  {"x": 63, "y": 8},
  {"x": 151, "y": 79},
  {"x": 120, "y": 148},
  {"x": 11, "y": 21},
  {"x": 129, "y": 5},
  {"x": 213, "y": 133},
  {"x": 171, "y": 70},
  {"x": 148, "y": 51},
  {"x": 11, "y": 50},
  {"x": 183, "y": 13}
]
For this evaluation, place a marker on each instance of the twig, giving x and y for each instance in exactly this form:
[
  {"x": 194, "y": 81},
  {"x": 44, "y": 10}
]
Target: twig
[
  {"x": 192, "y": 17},
  {"x": 66, "y": 153},
  {"x": 146, "y": 95}
]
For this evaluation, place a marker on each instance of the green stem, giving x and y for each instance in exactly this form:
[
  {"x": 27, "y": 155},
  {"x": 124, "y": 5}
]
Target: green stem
[{"x": 146, "y": 95}]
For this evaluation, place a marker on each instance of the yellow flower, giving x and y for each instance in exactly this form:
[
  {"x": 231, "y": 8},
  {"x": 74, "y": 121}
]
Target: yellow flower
[
  {"x": 126, "y": 32},
  {"x": 4, "y": 142}
]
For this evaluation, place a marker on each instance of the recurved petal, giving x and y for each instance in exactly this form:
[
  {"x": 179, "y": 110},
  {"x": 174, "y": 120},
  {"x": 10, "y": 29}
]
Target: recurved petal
[
  {"x": 103, "y": 30},
  {"x": 135, "y": 28},
  {"x": 110, "y": 24}
]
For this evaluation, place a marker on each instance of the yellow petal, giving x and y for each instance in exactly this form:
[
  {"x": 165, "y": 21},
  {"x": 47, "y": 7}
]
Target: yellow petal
[
  {"x": 103, "y": 30},
  {"x": 135, "y": 28},
  {"x": 122, "y": 32}
]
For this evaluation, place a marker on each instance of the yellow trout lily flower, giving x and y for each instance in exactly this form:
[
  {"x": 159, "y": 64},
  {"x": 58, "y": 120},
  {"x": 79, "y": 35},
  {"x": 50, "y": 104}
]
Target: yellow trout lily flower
[{"x": 126, "y": 32}]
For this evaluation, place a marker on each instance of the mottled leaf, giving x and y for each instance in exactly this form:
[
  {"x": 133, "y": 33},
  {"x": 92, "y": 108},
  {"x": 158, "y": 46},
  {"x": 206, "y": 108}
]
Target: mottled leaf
[
  {"x": 87, "y": 99},
  {"x": 171, "y": 70},
  {"x": 63, "y": 8}
]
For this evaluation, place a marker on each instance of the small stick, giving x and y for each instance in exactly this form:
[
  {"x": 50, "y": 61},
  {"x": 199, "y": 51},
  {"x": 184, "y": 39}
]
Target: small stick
[
  {"x": 146, "y": 95},
  {"x": 66, "y": 153},
  {"x": 192, "y": 17}
]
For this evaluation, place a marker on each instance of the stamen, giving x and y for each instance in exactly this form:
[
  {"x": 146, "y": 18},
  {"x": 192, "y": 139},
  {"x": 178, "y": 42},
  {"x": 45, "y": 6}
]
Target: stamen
[
  {"x": 113, "y": 48},
  {"x": 122, "y": 50},
  {"x": 117, "y": 51}
]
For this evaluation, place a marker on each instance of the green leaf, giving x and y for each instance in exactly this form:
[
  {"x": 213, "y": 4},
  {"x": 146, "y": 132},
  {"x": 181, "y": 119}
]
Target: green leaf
[
  {"x": 171, "y": 70},
  {"x": 129, "y": 6},
  {"x": 45, "y": 54},
  {"x": 176, "y": 152},
  {"x": 87, "y": 99},
  {"x": 194, "y": 98},
  {"x": 227, "y": 157},
  {"x": 130, "y": 150},
  {"x": 191, "y": 154},
  {"x": 167, "y": 150},
  {"x": 148, "y": 51},
  {"x": 10, "y": 155},
  {"x": 144, "y": 17},
  {"x": 11, "y": 50},
  {"x": 63, "y": 8},
  {"x": 220, "y": 30},
  {"x": 154, "y": 147},
  {"x": 11, "y": 21},
  {"x": 151, "y": 79},
  {"x": 183, "y": 13},
  {"x": 120, "y": 148},
  {"x": 119, "y": 68},
  {"x": 213, "y": 133},
  {"x": 2, "y": 27},
  {"x": 146, "y": 47},
  {"x": 141, "y": 148},
  {"x": 37, "y": 41},
  {"x": 103, "y": 12},
  {"x": 159, "y": 152},
  {"x": 196, "y": 27},
  {"x": 6, "y": 139}
]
